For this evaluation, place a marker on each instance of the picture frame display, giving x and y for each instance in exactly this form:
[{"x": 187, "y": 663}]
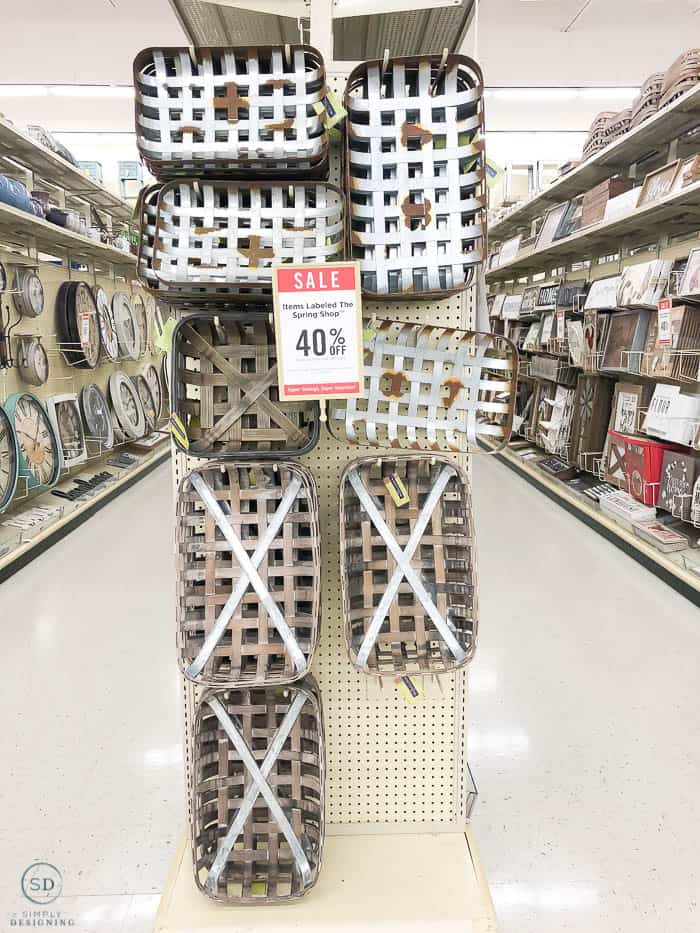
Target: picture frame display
[
  {"x": 690, "y": 283},
  {"x": 570, "y": 221},
  {"x": 625, "y": 341},
  {"x": 602, "y": 295},
  {"x": 550, "y": 224},
  {"x": 658, "y": 184}
]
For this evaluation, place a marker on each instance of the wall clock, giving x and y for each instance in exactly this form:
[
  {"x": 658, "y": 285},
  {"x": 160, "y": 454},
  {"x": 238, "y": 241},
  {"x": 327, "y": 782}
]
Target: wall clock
[
  {"x": 108, "y": 330},
  {"x": 32, "y": 361},
  {"x": 119, "y": 435},
  {"x": 78, "y": 325},
  {"x": 65, "y": 417},
  {"x": 151, "y": 321},
  {"x": 38, "y": 445},
  {"x": 153, "y": 379},
  {"x": 139, "y": 310},
  {"x": 9, "y": 460},
  {"x": 28, "y": 293},
  {"x": 127, "y": 405},
  {"x": 126, "y": 326},
  {"x": 96, "y": 416},
  {"x": 147, "y": 402}
]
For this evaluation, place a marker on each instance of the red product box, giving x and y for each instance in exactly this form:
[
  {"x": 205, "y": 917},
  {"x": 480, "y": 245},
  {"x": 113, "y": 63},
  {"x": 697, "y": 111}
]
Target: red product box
[{"x": 643, "y": 460}]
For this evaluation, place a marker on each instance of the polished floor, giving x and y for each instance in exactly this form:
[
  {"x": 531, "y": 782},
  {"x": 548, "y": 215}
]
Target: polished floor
[{"x": 584, "y": 715}]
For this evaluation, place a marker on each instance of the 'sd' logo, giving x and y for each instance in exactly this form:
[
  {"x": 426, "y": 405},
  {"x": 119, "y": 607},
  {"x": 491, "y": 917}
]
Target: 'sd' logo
[{"x": 42, "y": 883}]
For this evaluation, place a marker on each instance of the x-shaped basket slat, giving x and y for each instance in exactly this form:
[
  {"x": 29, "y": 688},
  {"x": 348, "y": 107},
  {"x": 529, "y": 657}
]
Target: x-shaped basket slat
[
  {"x": 248, "y": 618},
  {"x": 224, "y": 390},
  {"x": 430, "y": 388},
  {"x": 258, "y": 820},
  {"x": 407, "y": 571}
]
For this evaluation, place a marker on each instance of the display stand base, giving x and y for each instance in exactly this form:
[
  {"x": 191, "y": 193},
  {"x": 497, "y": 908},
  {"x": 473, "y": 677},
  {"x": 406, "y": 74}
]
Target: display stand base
[{"x": 391, "y": 883}]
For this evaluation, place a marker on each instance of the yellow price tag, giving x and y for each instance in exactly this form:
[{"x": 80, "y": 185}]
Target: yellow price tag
[
  {"x": 410, "y": 691},
  {"x": 177, "y": 429},
  {"x": 396, "y": 489},
  {"x": 330, "y": 109},
  {"x": 165, "y": 339}
]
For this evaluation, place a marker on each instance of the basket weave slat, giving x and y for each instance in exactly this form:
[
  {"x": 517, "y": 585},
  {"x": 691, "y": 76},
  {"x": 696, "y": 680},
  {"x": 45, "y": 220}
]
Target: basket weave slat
[
  {"x": 681, "y": 77},
  {"x": 597, "y": 135},
  {"x": 408, "y": 640},
  {"x": 224, "y": 111},
  {"x": 249, "y": 650},
  {"x": 430, "y": 388},
  {"x": 224, "y": 389},
  {"x": 261, "y": 867},
  {"x": 415, "y": 170}
]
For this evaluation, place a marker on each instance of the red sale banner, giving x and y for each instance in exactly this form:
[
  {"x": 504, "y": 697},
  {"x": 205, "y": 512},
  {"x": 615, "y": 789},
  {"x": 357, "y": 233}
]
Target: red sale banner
[{"x": 330, "y": 278}]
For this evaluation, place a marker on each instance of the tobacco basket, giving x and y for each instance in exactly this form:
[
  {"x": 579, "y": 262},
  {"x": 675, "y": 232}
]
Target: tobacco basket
[
  {"x": 221, "y": 236},
  {"x": 681, "y": 77},
  {"x": 258, "y": 793},
  {"x": 223, "y": 388},
  {"x": 597, "y": 134},
  {"x": 248, "y": 573},
  {"x": 415, "y": 173},
  {"x": 430, "y": 388},
  {"x": 408, "y": 572},
  {"x": 225, "y": 111}
]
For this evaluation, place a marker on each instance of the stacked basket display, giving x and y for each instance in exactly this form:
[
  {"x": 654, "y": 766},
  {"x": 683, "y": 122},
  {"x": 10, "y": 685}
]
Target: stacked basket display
[{"x": 240, "y": 154}]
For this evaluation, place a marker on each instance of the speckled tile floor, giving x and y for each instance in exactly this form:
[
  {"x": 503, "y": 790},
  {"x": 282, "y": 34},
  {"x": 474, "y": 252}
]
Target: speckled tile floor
[{"x": 583, "y": 705}]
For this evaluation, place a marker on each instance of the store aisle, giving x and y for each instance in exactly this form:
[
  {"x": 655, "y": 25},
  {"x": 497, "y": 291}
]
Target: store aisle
[
  {"x": 91, "y": 777},
  {"x": 584, "y": 725}
]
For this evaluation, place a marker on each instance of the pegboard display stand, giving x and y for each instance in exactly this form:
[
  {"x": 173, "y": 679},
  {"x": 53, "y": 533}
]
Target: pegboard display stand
[{"x": 395, "y": 770}]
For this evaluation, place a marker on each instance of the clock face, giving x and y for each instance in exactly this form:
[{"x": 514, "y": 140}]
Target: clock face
[
  {"x": 41, "y": 363},
  {"x": 32, "y": 361},
  {"x": 29, "y": 297},
  {"x": 8, "y": 460},
  {"x": 96, "y": 415},
  {"x": 127, "y": 405},
  {"x": 147, "y": 403},
  {"x": 108, "y": 330},
  {"x": 70, "y": 429},
  {"x": 87, "y": 324},
  {"x": 139, "y": 310},
  {"x": 125, "y": 322},
  {"x": 36, "y": 440},
  {"x": 153, "y": 380}
]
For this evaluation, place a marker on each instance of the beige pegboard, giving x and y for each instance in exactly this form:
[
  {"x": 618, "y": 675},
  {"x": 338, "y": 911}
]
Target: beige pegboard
[{"x": 390, "y": 766}]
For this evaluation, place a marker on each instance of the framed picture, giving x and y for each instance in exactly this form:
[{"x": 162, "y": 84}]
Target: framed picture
[
  {"x": 629, "y": 400},
  {"x": 529, "y": 302},
  {"x": 497, "y": 307},
  {"x": 509, "y": 250},
  {"x": 571, "y": 294},
  {"x": 547, "y": 296},
  {"x": 590, "y": 339},
  {"x": 571, "y": 220},
  {"x": 643, "y": 284},
  {"x": 602, "y": 295},
  {"x": 550, "y": 225},
  {"x": 625, "y": 342},
  {"x": 690, "y": 283},
  {"x": 658, "y": 184},
  {"x": 621, "y": 205},
  {"x": 511, "y": 307}
]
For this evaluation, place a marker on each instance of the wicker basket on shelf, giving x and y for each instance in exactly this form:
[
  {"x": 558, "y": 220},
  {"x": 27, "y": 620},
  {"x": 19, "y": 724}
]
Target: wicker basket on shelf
[
  {"x": 618, "y": 125},
  {"x": 230, "y": 111},
  {"x": 248, "y": 573},
  {"x": 681, "y": 77},
  {"x": 258, "y": 768},
  {"x": 597, "y": 134},
  {"x": 223, "y": 388},
  {"x": 430, "y": 388},
  {"x": 415, "y": 173},
  {"x": 647, "y": 104},
  {"x": 408, "y": 572}
]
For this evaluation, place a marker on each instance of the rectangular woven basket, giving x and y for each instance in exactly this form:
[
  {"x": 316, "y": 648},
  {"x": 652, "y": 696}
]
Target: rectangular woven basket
[
  {"x": 415, "y": 173},
  {"x": 258, "y": 793},
  {"x": 219, "y": 236},
  {"x": 224, "y": 111},
  {"x": 241, "y": 625},
  {"x": 223, "y": 388},
  {"x": 420, "y": 617},
  {"x": 430, "y": 388}
]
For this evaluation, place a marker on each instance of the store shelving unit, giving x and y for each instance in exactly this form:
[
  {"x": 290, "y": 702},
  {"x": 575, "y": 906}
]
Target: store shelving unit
[
  {"x": 641, "y": 150},
  {"x": 59, "y": 254},
  {"x": 666, "y": 229},
  {"x": 398, "y": 786}
]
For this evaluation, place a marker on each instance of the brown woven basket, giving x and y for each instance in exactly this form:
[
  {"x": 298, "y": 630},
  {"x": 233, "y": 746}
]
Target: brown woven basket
[
  {"x": 430, "y": 388},
  {"x": 223, "y": 388},
  {"x": 415, "y": 174},
  {"x": 227, "y": 631},
  {"x": 241, "y": 846},
  {"x": 597, "y": 138},
  {"x": 647, "y": 103},
  {"x": 231, "y": 111},
  {"x": 618, "y": 125},
  {"x": 395, "y": 623},
  {"x": 681, "y": 77}
]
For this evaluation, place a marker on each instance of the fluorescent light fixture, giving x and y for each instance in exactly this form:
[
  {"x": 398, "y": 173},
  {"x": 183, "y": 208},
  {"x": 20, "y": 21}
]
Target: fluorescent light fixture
[
  {"x": 608, "y": 93},
  {"x": 555, "y": 94},
  {"x": 67, "y": 90}
]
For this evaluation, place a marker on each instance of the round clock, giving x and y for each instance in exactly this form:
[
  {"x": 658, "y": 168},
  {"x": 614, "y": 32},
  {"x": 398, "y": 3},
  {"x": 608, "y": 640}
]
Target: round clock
[
  {"x": 78, "y": 324},
  {"x": 32, "y": 361},
  {"x": 65, "y": 415},
  {"x": 127, "y": 405},
  {"x": 151, "y": 312},
  {"x": 147, "y": 402},
  {"x": 39, "y": 450},
  {"x": 139, "y": 310},
  {"x": 119, "y": 435},
  {"x": 108, "y": 330},
  {"x": 9, "y": 460},
  {"x": 153, "y": 379},
  {"x": 126, "y": 325},
  {"x": 28, "y": 293},
  {"x": 96, "y": 416}
]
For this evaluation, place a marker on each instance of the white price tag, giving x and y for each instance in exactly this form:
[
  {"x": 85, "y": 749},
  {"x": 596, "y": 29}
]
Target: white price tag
[
  {"x": 318, "y": 327},
  {"x": 85, "y": 329},
  {"x": 664, "y": 337},
  {"x": 561, "y": 323}
]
